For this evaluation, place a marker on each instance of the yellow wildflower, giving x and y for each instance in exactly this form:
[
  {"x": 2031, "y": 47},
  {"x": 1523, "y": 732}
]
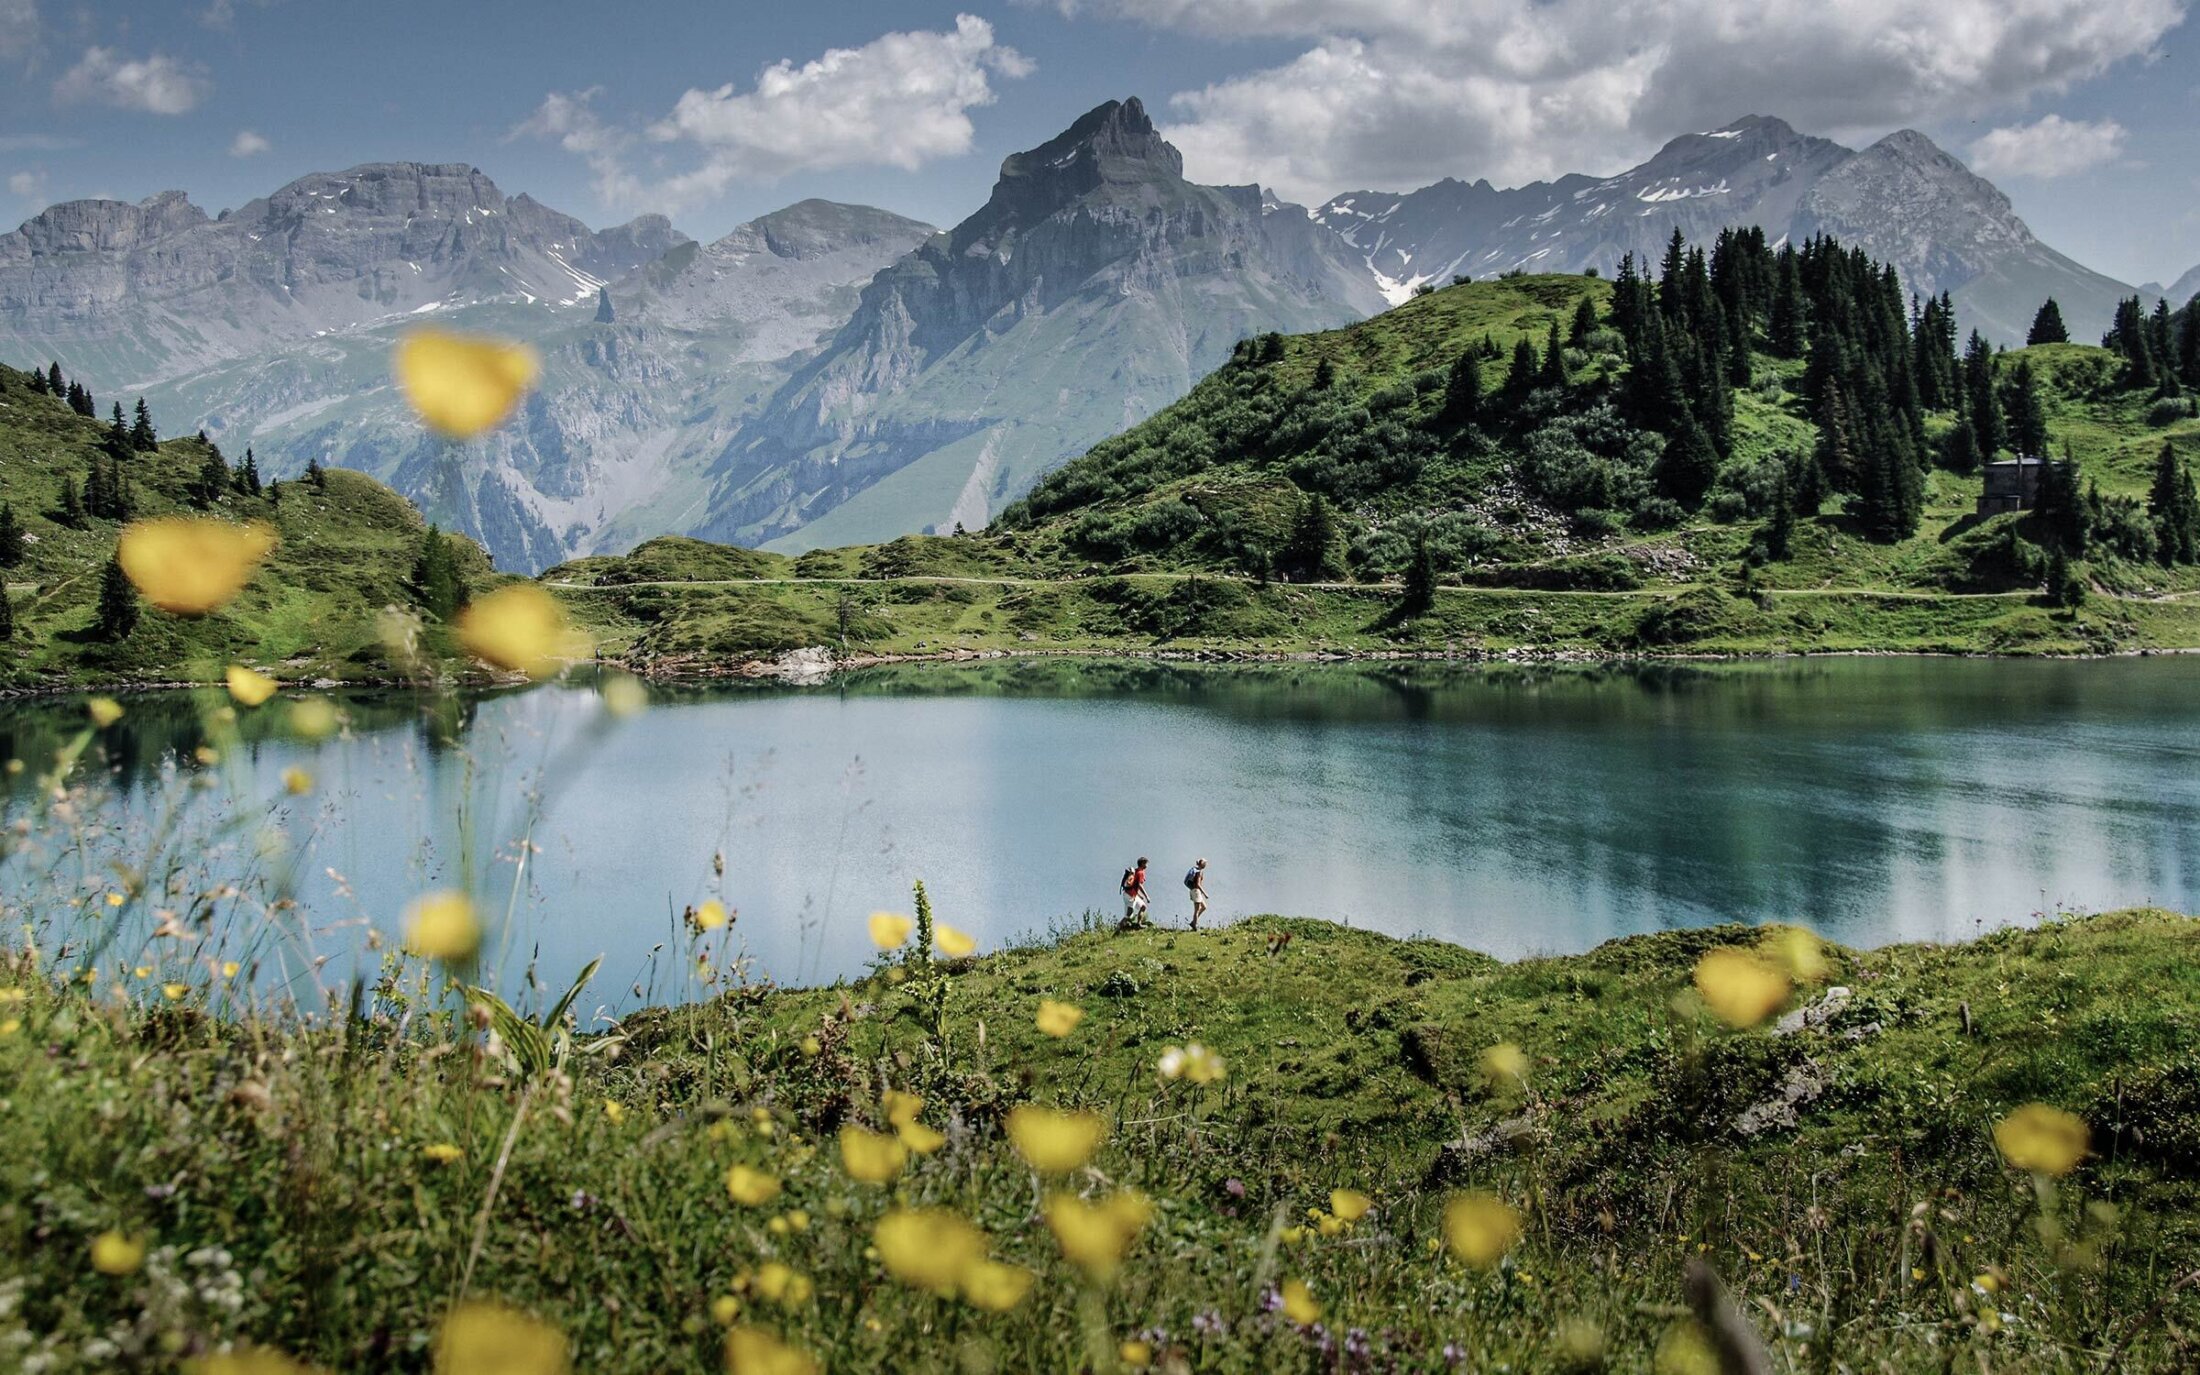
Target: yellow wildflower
[
  {"x": 1800, "y": 953},
  {"x": 1480, "y": 1228},
  {"x": 2042, "y": 1139},
  {"x": 1059, "y": 1019},
  {"x": 1349, "y": 1204},
  {"x": 710, "y": 916},
  {"x": 1299, "y": 1305},
  {"x": 1135, "y": 1354},
  {"x": 900, "y": 1106},
  {"x": 996, "y": 1286},
  {"x": 443, "y": 926},
  {"x": 490, "y": 1339},
  {"x": 443, "y": 1153},
  {"x": 890, "y": 929},
  {"x": 104, "y": 711},
  {"x": 462, "y": 385},
  {"x": 1055, "y": 1142},
  {"x": 751, "y": 1186},
  {"x": 954, "y": 944},
  {"x": 1194, "y": 1062},
  {"x": 245, "y": 1360},
  {"x": 1739, "y": 987},
  {"x": 614, "y": 1111},
  {"x": 297, "y": 782},
  {"x": 190, "y": 565},
  {"x": 174, "y": 992},
  {"x": 870, "y": 1157},
  {"x": 928, "y": 1248},
  {"x": 1504, "y": 1067},
  {"x": 753, "y": 1351},
  {"x": 1094, "y": 1236},
  {"x": 920, "y": 1138},
  {"x": 114, "y": 1253},
  {"x": 521, "y": 628},
  {"x": 249, "y": 686},
  {"x": 313, "y": 718}
]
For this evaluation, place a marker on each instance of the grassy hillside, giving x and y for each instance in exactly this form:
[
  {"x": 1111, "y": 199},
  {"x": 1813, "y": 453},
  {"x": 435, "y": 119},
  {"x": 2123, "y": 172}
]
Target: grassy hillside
[
  {"x": 331, "y": 1191},
  {"x": 1159, "y": 539},
  {"x": 346, "y": 551}
]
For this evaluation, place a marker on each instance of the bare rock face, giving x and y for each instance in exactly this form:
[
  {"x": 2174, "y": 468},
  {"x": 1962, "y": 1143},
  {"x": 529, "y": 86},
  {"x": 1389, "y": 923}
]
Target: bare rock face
[
  {"x": 1094, "y": 287},
  {"x": 1903, "y": 200}
]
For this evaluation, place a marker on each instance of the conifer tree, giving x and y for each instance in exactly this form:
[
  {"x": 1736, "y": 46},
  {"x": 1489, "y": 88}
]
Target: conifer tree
[
  {"x": 38, "y": 380},
  {"x": 1310, "y": 552},
  {"x": 1325, "y": 374},
  {"x": 142, "y": 437},
  {"x": 7, "y": 616},
  {"x": 213, "y": 479},
  {"x": 318, "y": 476},
  {"x": 1420, "y": 588},
  {"x": 1462, "y": 393},
  {"x": 1687, "y": 465},
  {"x": 1554, "y": 360},
  {"x": 118, "y": 434},
  {"x": 1585, "y": 322},
  {"x": 1981, "y": 402},
  {"x": 248, "y": 476},
  {"x": 72, "y": 504},
  {"x": 435, "y": 580},
  {"x": 11, "y": 536},
  {"x": 53, "y": 380},
  {"x": 2174, "y": 509},
  {"x": 2047, "y": 326},
  {"x": 118, "y": 604},
  {"x": 2058, "y": 513},
  {"x": 1521, "y": 378},
  {"x": 1789, "y": 311},
  {"x": 2027, "y": 415},
  {"x": 1959, "y": 448}
]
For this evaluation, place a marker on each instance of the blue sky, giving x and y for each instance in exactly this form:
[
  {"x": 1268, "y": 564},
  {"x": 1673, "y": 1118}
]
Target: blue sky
[{"x": 2088, "y": 115}]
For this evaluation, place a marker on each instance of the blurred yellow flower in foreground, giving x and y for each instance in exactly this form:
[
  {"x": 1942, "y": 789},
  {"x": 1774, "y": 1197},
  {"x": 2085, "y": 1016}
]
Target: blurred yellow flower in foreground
[
  {"x": 1480, "y": 1228},
  {"x": 249, "y": 686},
  {"x": 1685, "y": 1350},
  {"x": 313, "y": 718},
  {"x": 116, "y": 1254},
  {"x": 462, "y": 385},
  {"x": 520, "y": 628},
  {"x": 919, "y": 1137},
  {"x": 491, "y": 1339},
  {"x": 1055, "y": 1142},
  {"x": 1349, "y": 1204},
  {"x": 174, "y": 992},
  {"x": 1299, "y": 1305},
  {"x": 191, "y": 565},
  {"x": 296, "y": 781},
  {"x": 1135, "y": 1354},
  {"x": 246, "y": 1360},
  {"x": 995, "y": 1285},
  {"x": 2042, "y": 1139},
  {"x": 890, "y": 929},
  {"x": 901, "y": 1106},
  {"x": 753, "y": 1351},
  {"x": 928, "y": 1248},
  {"x": 624, "y": 695},
  {"x": 443, "y": 1153},
  {"x": 1059, "y": 1019},
  {"x": 104, "y": 711},
  {"x": 1194, "y": 1062},
  {"x": 748, "y": 1185},
  {"x": 1739, "y": 987},
  {"x": 956, "y": 945},
  {"x": 1800, "y": 953},
  {"x": 870, "y": 1157},
  {"x": 442, "y": 926},
  {"x": 1504, "y": 1067},
  {"x": 710, "y": 916},
  {"x": 1094, "y": 1236}
]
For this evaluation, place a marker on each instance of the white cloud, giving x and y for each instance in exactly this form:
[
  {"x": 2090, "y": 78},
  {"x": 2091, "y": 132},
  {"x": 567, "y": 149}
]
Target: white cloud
[
  {"x": 2050, "y": 146},
  {"x": 157, "y": 85},
  {"x": 30, "y": 188},
  {"x": 901, "y": 100},
  {"x": 248, "y": 144},
  {"x": 1395, "y": 93},
  {"x": 18, "y": 26}
]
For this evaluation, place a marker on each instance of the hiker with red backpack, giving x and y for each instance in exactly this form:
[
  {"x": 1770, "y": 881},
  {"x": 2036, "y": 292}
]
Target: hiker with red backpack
[{"x": 1134, "y": 894}]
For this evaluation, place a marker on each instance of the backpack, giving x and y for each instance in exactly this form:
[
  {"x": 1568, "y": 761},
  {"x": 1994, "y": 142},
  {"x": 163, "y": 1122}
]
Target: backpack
[
  {"x": 1130, "y": 881},
  {"x": 1191, "y": 879}
]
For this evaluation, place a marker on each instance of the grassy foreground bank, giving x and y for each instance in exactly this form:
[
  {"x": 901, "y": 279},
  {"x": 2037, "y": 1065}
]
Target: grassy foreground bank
[{"x": 332, "y": 1189}]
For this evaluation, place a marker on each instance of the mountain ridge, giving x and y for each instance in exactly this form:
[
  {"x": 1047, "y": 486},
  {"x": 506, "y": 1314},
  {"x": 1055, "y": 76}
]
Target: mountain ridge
[{"x": 1902, "y": 198}]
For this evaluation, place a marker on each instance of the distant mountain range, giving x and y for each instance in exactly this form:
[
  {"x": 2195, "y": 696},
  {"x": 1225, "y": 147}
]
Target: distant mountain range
[
  {"x": 832, "y": 373},
  {"x": 1903, "y": 200}
]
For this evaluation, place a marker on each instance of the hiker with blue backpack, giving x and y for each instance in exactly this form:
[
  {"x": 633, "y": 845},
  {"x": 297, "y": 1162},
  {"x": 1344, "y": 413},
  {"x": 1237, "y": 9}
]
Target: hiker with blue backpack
[{"x": 1195, "y": 884}]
